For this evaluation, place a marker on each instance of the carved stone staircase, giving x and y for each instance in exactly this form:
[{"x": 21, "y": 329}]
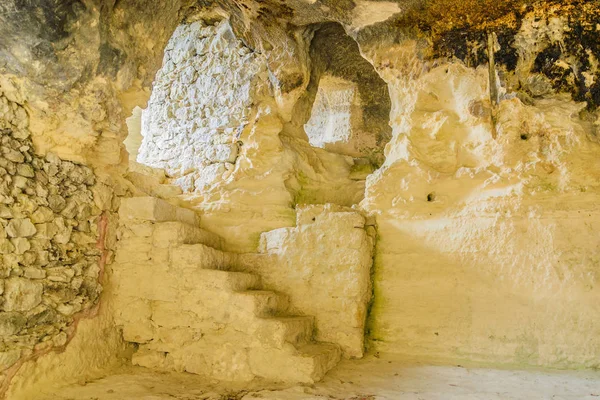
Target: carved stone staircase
[
  {"x": 148, "y": 181},
  {"x": 180, "y": 302}
]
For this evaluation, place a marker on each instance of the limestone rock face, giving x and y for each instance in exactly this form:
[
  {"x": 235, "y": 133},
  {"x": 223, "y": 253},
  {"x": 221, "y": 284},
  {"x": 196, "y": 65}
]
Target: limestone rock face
[
  {"x": 483, "y": 187},
  {"x": 333, "y": 121},
  {"x": 244, "y": 168},
  {"x": 346, "y": 92},
  {"x": 482, "y": 117},
  {"x": 200, "y": 103}
]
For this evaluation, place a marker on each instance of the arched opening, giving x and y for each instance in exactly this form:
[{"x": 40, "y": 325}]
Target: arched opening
[{"x": 347, "y": 105}]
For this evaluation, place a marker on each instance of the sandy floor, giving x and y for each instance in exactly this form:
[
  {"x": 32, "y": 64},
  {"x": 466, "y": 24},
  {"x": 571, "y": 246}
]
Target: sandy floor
[{"x": 386, "y": 377}]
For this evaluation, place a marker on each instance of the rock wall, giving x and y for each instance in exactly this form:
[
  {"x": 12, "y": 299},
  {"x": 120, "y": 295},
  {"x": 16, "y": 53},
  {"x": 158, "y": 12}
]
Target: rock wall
[
  {"x": 324, "y": 265},
  {"x": 335, "y": 58},
  {"x": 491, "y": 172},
  {"x": 75, "y": 69},
  {"x": 484, "y": 154},
  {"x": 80, "y": 69},
  {"x": 485, "y": 207},
  {"x": 51, "y": 243},
  {"x": 273, "y": 173},
  {"x": 200, "y": 103}
]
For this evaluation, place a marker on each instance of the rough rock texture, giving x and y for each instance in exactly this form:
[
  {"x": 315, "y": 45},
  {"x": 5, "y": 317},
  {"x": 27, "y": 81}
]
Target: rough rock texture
[
  {"x": 324, "y": 265},
  {"x": 200, "y": 104},
  {"x": 49, "y": 259},
  {"x": 488, "y": 180},
  {"x": 272, "y": 173},
  {"x": 80, "y": 68},
  {"x": 483, "y": 205},
  {"x": 96, "y": 347},
  {"x": 336, "y": 117},
  {"x": 334, "y": 54},
  {"x": 76, "y": 70},
  {"x": 235, "y": 158}
]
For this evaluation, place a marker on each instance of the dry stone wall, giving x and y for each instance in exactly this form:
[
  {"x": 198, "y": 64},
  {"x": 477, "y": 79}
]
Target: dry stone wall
[
  {"x": 49, "y": 229},
  {"x": 201, "y": 101}
]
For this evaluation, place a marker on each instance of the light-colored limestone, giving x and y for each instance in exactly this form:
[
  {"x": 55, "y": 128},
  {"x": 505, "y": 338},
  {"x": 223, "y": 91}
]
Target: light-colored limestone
[
  {"x": 21, "y": 294},
  {"x": 486, "y": 246},
  {"x": 336, "y": 119},
  {"x": 20, "y": 228},
  {"x": 155, "y": 209},
  {"x": 178, "y": 299},
  {"x": 134, "y": 134},
  {"x": 324, "y": 265},
  {"x": 48, "y": 243},
  {"x": 485, "y": 209},
  {"x": 200, "y": 103},
  {"x": 230, "y": 149}
]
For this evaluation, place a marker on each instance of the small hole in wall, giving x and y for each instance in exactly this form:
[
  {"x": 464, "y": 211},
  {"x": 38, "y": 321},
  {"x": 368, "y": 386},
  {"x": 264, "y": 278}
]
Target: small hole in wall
[
  {"x": 524, "y": 136},
  {"x": 314, "y": 218},
  {"x": 431, "y": 197}
]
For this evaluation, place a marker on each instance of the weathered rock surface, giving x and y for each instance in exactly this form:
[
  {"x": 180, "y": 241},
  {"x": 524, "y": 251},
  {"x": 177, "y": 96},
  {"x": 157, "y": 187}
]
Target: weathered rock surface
[
  {"x": 48, "y": 234},
  {"x": 324, "y": 265},
  {"x": 485, "y": 199},
  {"x": 200, "y": 104},
  {"x": 21, "y": 294}
]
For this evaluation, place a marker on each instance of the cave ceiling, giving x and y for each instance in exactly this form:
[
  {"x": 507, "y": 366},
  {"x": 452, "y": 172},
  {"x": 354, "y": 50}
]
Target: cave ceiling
[{"x": 60, "y": 44}]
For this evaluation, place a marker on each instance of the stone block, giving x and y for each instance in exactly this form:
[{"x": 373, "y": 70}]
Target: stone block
[
  {"x": 168, "y": 234},
  {"x": 278, "y": 332},
  {"x": 154, "y": 209},
  {"x": 21, "y": 294},
  {"x": 198, "y": 256},
  {"x": 305, "y": 365},
  {"x": 20, "y": 228},
  {"x": 150, "y": 359}
]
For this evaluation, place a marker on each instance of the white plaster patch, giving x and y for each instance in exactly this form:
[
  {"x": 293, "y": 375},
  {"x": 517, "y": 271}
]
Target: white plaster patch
[{"x": 200, "y": 103}]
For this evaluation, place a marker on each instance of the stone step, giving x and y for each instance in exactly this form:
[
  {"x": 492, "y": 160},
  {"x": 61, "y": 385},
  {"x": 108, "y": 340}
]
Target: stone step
[
  {"x": 306, "y": 364},
  {"x": 228, "y": 280},
  {"x": 156, "y": 210},
  {"x": 199, "y": 256},
  {"x": 262, "y": 303},
  {"x": 153, "y": 185},
  {"x": 156, "y": 173},
  {"x": 320, "y": 358},
  {"x": 279, "y": 331},
  {"x": 173, "y": 233}
]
